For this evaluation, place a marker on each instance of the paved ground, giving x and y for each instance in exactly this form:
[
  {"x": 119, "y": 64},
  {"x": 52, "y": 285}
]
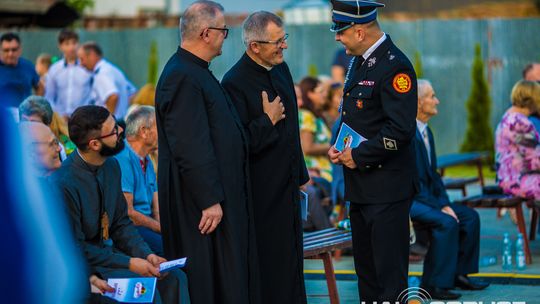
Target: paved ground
[{"x": 506, "y": 285}]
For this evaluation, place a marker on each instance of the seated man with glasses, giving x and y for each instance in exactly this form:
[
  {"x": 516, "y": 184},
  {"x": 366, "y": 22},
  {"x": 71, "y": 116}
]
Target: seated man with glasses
[{"x": 90, "y": 181}]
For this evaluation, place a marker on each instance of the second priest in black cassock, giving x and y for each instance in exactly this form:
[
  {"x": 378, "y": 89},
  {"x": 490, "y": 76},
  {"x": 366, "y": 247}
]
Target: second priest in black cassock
[{"x": 276, "y": 162}]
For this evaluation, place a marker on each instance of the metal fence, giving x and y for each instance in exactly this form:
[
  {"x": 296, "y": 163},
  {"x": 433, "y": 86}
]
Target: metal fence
[{"x": 446, "y": 48}]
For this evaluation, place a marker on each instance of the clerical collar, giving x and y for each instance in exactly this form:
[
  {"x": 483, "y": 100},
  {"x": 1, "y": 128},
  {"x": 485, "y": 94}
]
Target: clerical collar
[
  {"x": 92, "y": 168},
  {"x": 421, "y": 126},
  {"x": 374, "y": 47},
  {"x": 192, "y": 57},
  {"x": 256, "y": 65}
]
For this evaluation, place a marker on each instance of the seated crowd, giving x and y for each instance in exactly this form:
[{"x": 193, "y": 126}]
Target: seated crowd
[{"x": 77, "y": 144}]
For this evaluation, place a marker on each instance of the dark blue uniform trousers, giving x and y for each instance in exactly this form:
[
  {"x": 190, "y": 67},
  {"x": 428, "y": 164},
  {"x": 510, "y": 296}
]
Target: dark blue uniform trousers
[{"x": 454, "y": 247}]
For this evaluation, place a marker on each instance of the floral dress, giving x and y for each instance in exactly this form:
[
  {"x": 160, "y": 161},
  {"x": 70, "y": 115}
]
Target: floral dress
[
  {"x": 321, "y": 135},
  {"x": 518, "y": 156}
]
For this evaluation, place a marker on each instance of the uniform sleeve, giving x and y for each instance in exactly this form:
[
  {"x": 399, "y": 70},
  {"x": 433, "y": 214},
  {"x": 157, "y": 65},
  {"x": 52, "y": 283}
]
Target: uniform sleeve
[
  {"x": 187, "y": 131},
  {"x": 399, "y": 104},
  {"x": 259, "y": 127}
]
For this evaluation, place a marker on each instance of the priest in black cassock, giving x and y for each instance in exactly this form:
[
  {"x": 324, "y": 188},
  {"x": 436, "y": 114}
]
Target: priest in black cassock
[
  {"x": 203, "y": 168},
  {"x": 276, "y": 161}
]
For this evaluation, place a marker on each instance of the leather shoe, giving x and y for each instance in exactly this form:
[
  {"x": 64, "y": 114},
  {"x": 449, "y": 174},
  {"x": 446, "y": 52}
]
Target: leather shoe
[
  {"x": 438, "y": 293},
  {"x": 465, "y": 283}
]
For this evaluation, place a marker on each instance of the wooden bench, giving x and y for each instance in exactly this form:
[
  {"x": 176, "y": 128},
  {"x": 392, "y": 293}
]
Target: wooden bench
[
  {"x": 456, "y": 159},
  {"x": 320, "y": 245},
  {"x": 492, "y": 197}
]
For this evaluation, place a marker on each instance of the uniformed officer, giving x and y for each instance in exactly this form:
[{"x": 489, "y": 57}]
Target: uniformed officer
[{"x": 379, "y": 102}]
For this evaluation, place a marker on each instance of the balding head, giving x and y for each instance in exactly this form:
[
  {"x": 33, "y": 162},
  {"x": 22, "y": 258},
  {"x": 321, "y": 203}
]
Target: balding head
[
  {"x": 198, "y": 16},
  {"x": 42, "y": 145}
]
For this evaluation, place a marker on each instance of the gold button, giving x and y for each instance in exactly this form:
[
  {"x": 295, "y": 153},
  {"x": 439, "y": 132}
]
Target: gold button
[
  {"x": 347, "y": 94},
  {"x": 344, "y": 113}
]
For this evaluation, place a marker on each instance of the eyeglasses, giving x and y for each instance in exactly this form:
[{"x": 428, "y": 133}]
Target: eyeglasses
[
  {"x": 114, "y": 132},
  {"x": 51, "y": 144},
  {"x": 278, "y": 43},
  {"x": 223, "y": 29}
]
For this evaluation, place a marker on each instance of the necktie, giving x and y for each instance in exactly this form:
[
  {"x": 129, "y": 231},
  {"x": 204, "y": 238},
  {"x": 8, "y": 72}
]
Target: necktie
[{"x": 426, "y": 143}]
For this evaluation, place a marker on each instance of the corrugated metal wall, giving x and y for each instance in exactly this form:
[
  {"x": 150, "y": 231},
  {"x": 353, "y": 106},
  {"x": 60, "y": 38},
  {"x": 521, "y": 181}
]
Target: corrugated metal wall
[{"x": 446, "y": 48}]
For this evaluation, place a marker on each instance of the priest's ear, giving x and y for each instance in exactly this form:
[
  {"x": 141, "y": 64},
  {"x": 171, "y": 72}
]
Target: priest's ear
[
  {"x": 254, "y": 47},
  {"x": 94, "y": 145}
]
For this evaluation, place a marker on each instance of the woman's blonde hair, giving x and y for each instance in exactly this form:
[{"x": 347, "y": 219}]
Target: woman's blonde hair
[
  {"x": 58, "y": 125},
  {"x": 526, "y": 94}
]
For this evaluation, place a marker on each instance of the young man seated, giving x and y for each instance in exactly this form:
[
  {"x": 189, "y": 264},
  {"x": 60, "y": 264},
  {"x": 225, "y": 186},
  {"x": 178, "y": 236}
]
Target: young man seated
[{"x": 89, "y": 180}]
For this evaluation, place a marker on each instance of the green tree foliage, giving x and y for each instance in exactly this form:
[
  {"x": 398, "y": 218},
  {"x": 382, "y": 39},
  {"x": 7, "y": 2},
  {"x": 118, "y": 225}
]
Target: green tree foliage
[
  {"x": 418, "y": 69},
  {"x": 153, "y": 64},
  {"x": 80, "y": 5},
  {"x": 537, "y": 3},
  {"x": 479, "y": 136},
  {"x": 312, "y": 70}
]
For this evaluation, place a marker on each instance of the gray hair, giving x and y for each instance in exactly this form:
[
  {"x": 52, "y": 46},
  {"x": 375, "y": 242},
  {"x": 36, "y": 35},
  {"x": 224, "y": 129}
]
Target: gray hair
[
  {"x": 36, "y": 105},
  {"x": 423, "y": 85},
  {"x": 142, "y": 116},
  {"x": 198, "y": 15},
  {"x": 254, "y": 27}
]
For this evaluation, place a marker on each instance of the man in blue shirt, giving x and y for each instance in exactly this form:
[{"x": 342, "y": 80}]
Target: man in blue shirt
[
  {"x": 17, "y": 75},
  {"x": 68, "y": 84},
  {"x": 139, "y": 182}
]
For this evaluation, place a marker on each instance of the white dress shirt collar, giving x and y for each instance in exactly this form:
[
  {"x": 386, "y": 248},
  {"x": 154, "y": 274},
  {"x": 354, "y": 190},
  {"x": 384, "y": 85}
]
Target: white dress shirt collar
[{"x": 374, "y": 47}]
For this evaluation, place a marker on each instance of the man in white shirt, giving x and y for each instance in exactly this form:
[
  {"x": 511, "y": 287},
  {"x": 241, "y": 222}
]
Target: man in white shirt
[
  {"x": 109, "y": 86},
  {"x": 67, "y": 85}
]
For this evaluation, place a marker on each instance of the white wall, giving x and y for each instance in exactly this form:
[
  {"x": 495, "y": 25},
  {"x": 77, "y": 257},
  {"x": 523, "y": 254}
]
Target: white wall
[{"x": 126, "y": 8}]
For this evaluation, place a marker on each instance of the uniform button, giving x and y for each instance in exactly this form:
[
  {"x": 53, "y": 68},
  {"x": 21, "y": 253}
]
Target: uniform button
[
  {"x": 347, "y": 94},
  {"x": 380, "y": 166},
  {"x": 359, "y": 94},
  {"x": 368, "y": 166},
  {"x": 344, "y": 113}
]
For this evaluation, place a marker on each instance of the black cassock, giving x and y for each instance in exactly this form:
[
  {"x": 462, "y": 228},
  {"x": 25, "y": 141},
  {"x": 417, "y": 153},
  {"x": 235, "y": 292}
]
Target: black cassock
[
  {"x": 277, "y": 169},
  {"x": 203, "y": 161}
]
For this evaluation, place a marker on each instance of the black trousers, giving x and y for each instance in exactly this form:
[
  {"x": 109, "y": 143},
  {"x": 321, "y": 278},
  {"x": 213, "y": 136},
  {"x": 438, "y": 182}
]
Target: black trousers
[{"x": 380, "y": 235}]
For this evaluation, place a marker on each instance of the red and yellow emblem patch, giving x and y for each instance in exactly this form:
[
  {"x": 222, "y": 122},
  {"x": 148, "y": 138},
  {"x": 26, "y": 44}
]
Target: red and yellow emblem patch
[
  {"x": 359, "y": 104},
  {"x": 402, "y": 83}
]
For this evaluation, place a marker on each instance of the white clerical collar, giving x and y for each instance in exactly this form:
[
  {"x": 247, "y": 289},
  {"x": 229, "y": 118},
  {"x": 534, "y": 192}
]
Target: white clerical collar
[
  {"x": 267, "y": 68},
  {"x": 374, "y": 47},
  {"x": 421, "y": 126}
]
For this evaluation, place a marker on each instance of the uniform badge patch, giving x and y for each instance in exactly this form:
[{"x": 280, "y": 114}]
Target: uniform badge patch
[
  {"x": 402, "y": 83},
  {"x": 389, "y": 144},
  {"x": 359, "y": 103}
]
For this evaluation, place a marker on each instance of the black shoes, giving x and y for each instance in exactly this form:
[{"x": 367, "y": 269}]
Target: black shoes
[
  {"x": 438, "y": 293},
  {"x": 465, "y": 283}
]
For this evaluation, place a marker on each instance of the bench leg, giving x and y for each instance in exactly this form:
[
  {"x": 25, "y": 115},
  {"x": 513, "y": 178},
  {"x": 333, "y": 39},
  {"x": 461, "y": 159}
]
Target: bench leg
[
  {"x": 523, "y": 230},
  {"x": 534, "y": 223},
  {"x": 464, "y": 190},
  {"x": 480, "y": 173},
  {"x": 330, "y": 277}
]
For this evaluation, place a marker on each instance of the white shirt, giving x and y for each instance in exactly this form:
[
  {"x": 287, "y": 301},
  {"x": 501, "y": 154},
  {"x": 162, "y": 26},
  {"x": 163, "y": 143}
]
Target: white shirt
[
  {"x": 374, "y": 47},
  {"x": 422, "y": 128},
  {"x": 67, "y": 86},
  {"x": 109, "y": 80}
]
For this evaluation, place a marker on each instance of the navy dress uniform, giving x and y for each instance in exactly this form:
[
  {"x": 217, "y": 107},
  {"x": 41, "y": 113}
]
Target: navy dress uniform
[{"x": 380, "y": 103}]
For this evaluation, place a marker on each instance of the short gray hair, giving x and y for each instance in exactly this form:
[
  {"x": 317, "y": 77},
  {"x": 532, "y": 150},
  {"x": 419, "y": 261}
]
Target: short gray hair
[
  {"x": 254, "y": 27},
  {"x": 142, "y": 116},
  {"x": 423, "y": 85},
  {"x": 198, "y": 15},
  {"x": 36, "y": 105}
]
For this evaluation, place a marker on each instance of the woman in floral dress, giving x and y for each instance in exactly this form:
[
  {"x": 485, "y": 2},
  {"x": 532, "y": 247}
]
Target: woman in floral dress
[{"x": 517, "y": 143}]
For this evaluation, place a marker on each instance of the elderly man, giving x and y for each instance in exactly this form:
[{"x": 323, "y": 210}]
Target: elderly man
[
  {"x": 203, "y": 167},
  {"x": 67, "y": 83},
  {"x": 455, "y": 229},
  {"x": 274, "y": 147},
  {"x": 379, "y": 102},
  {"x": 91, "y": 186},
  {"x": 139, "y": 182},
  {"x": 17, "y": 75},
  {"x": 110, "y": 87}
]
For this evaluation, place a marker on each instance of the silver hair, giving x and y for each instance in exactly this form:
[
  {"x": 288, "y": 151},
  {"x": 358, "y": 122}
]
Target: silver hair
[
  {"x": 423, "y": 85},
  {"x": 142, "y": 116},
  {"x": 36, "y": 105},
  {"x": 254, "y": 27},
  {"x": 199, "y": 15}
]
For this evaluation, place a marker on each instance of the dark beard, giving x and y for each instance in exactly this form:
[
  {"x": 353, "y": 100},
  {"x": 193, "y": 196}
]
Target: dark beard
[{"x": 107, "y": 151}]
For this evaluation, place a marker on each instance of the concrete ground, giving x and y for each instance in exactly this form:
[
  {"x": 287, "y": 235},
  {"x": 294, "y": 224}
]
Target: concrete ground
[{"x": 506, "y": 285}]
